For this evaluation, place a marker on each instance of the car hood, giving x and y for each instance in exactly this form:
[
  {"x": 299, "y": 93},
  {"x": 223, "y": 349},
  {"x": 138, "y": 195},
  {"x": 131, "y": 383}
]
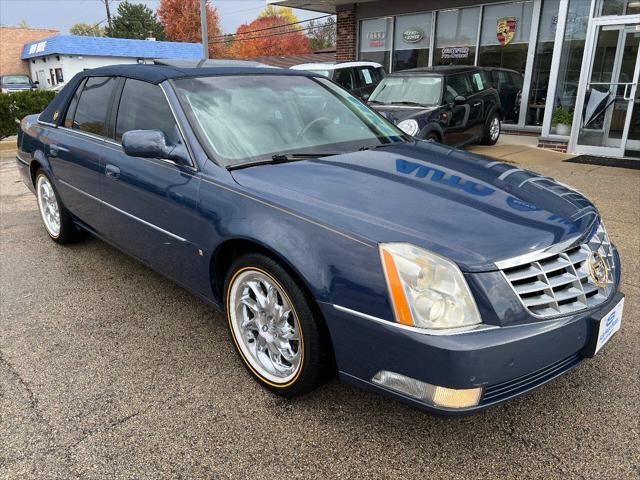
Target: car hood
[
  {"x": 463, "y": 206},
  {"x": 398, "y": 113}
]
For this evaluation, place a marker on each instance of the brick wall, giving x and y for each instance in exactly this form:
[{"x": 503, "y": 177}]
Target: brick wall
[
  {"x": 346, "y": 38},
  {"x": 553, "y": 145},
  {"x": 11, "y": 42}
]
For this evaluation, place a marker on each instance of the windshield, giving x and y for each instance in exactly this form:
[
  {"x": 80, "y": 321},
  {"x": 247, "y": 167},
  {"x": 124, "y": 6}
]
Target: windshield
[
  {"x": 247, "y": 118},
  {"x": 403, "y": 89},
  {"x": 16, "y": 80}
]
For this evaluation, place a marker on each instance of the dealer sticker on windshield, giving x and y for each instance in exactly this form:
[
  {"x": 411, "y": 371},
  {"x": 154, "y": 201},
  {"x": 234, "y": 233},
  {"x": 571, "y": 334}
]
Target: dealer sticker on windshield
[{"x": 609, "y": 325}]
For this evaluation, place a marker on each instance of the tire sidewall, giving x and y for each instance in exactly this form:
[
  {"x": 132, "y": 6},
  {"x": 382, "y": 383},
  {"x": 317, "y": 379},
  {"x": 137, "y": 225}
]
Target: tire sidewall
[
  {"x": 67, "y": 232},
  {"x": 487, "y": 140},
  {"x": 308, "y": 375}
]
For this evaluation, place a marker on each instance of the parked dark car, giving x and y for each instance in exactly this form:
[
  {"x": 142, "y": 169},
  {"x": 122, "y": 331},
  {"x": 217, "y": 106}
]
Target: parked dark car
[
  {"x": 17, "y": 82},
  {"x": 452, "y": 105},
  {"x": 333, "y": 241},
  {"x": 359, "y": 78},
  {"x": 508, "y": 83}
]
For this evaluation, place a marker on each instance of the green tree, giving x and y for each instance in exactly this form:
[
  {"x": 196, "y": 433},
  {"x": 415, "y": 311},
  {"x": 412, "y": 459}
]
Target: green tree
[
  {"x": 87, "y": 30},
  {"x": 135, "y": 20}
]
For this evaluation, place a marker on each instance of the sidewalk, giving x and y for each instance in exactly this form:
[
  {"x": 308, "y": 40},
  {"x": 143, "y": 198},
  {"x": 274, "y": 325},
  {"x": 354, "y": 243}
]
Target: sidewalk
[{"x": 522, "y": 150}]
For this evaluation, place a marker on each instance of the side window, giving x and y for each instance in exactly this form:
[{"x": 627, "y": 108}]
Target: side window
[
  {"x": 504, "y": 79},
  {"x": 458, "y": 85},
  {"x": 516, "y": 80},
  {"x": 71, "y": 109},
  {"x": 344, "y": 78},
  {"x": 143, "y": 106},
  {"x": 93, "y": 106}
]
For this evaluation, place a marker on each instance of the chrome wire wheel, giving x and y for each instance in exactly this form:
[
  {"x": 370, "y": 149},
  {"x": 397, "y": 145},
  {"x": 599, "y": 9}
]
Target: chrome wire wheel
[
  {"x": 265, "y": 326},
  {"x": 494, "y": 128},
  {"x": 48, "y": 204}
]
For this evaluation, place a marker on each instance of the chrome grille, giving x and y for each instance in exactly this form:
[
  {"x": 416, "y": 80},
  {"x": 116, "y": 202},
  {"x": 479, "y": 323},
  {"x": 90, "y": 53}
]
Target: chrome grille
[{"x": 560, "y": 283}]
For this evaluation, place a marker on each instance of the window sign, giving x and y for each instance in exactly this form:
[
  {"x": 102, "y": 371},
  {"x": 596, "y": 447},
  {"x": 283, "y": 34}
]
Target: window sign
[
  {"x": 375, "y": 40},
  {"x": 412, "y": 40},
  {"x": 367, "y": 76},
  {"x": 456, "y": 36}
]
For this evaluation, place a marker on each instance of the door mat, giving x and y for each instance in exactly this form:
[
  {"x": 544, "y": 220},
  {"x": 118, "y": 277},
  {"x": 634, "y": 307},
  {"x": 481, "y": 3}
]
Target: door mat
[{"x": 606, "y": 161}]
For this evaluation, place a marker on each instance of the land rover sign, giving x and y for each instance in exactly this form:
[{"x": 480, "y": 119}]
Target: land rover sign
[{"x": 413, "y": 35}]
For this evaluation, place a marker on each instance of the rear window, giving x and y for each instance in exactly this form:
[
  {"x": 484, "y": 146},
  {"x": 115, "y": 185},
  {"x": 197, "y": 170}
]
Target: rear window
[
  {"x": 16, "y": 80},
  {"x": 91, "y": 112}
]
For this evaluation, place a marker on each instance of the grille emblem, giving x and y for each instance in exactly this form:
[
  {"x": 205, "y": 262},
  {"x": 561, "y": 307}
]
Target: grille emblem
[{"x": 598, "y": 270}]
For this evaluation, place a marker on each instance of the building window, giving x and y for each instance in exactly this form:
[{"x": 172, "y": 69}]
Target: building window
[
  {"x": 411, "y": 41},
  {"x": 375, "y": 41},
  {"x": 504, "y": 40},
  {"x": 542, "y": 63},
  {"x": 571, "y": 57},
  {"x": 59, "y": 77},
  {"x": 456, "y": 36},
  {"x": 617, "y": 7}
]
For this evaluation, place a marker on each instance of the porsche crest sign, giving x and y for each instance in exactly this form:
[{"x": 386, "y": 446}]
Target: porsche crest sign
[{"x": 506, "y": 29}]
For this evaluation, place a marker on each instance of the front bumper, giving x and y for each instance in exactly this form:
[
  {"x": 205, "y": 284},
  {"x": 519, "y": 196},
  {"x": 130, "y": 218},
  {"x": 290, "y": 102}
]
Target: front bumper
[{"x": 506, "y": 361}]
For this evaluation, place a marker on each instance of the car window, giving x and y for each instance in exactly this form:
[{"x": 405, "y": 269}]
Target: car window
[
  {"x": 143, "y": 106},
  {"x": 458, "y": 85},
  {"x": 91, "y": 113},
  {"x": 503, "y": 79},
  {"x": 478, "y": 82},
  {"x": 516, "y": 80},
  {"x": 344, "y": 78},
  {"x": 71, "y": 109},
  {"x": 16, "y": 80}
]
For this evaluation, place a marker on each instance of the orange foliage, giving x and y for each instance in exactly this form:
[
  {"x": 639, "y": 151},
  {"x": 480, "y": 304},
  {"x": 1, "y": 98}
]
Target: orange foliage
[
  {"x": 181, "y": 21},
  {"x": 284, "y": 40}
]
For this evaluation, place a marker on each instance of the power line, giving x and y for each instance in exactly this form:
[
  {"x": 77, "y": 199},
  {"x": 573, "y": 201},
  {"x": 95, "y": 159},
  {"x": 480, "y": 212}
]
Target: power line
[
  {"x": 305, "y": 29},
  {"x": 272, "y": 28}
]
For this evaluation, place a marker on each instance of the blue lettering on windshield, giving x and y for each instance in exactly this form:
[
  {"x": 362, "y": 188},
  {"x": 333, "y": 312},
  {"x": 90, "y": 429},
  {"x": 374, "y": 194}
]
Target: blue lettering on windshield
[{"x": 454, "y": 181}]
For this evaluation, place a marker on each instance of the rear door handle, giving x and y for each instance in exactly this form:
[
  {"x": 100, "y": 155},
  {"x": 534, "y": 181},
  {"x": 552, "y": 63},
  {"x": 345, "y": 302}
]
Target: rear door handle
[
  {"x": 54, "y": 150},
  {"x": 112, "y": 171}
]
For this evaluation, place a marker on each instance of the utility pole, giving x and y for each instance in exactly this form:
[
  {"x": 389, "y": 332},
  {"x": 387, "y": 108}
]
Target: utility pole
[
  {"x": 203, "y": 29},
  {"x": 106, "y": 5}
]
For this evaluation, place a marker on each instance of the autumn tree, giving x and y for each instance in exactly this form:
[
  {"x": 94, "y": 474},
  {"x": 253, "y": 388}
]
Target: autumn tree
[
  {"x": 136, "y": 20},
  {"x": 87, "y": 30},
  {"x": 181, "y": 20},
  {"x": 283, "y": 12},
  {"x": 269, "y": 36}
]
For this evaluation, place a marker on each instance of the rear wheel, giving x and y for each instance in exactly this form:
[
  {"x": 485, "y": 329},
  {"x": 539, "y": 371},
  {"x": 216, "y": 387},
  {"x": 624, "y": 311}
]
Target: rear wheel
[
  {"x": 492, "y": 129},
  {"x": 274, "y": 328},
  {"x": 56, "y": 218}
]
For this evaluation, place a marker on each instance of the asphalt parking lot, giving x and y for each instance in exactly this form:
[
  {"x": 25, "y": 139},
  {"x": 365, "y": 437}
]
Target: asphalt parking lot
[{"x": 108, "y": 370}]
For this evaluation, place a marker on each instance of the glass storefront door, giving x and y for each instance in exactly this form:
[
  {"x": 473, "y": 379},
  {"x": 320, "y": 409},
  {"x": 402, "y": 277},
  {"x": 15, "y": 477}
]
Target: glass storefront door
[{"x": 607, "y": 96}]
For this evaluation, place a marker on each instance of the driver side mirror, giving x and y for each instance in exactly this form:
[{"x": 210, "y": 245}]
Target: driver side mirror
[
  {"x": 153, "y": 144},
  {"x": 460, "y": 100}
]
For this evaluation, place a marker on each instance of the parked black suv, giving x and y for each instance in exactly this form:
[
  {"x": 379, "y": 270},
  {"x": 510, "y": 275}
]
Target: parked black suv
[{"x": 449, "y": 104}]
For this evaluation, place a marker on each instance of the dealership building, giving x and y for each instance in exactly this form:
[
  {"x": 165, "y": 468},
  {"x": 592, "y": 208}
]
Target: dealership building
[{"x": 578, "y": 59}]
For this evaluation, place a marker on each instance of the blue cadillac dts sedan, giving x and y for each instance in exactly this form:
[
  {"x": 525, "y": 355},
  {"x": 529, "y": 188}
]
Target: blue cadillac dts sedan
[{"x": 332, "y": 241}]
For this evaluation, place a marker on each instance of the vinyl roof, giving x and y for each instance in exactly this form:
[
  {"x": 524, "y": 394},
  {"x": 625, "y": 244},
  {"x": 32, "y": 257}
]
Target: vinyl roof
[{"x": 109, "y": 47}]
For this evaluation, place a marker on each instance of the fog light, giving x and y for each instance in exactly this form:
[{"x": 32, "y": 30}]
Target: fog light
[{"x": 433, "y": 394}]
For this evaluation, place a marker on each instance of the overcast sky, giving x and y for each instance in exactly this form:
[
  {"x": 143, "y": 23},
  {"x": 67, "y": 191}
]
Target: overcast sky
[{"x": 61, "y": 14}]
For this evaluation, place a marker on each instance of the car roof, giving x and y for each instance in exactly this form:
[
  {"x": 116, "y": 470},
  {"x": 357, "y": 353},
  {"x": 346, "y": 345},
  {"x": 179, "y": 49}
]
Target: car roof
[
  {"x": 501, "y": 69},
  {"x": 333, "y": 66},
  {"x": 438, "y": 70},
  {"x": 159, "y": 73}
]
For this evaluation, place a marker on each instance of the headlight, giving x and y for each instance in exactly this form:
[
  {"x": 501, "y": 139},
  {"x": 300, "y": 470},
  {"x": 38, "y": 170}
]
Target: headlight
[
  {"x": 410, "y": 127},
  {"x": 427, "y": 291}
]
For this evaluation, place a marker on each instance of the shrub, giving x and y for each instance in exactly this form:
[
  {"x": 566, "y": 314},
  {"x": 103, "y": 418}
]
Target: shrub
[
  {"x": 562, "y": 115},
  {"x": 15, "y": 106}
]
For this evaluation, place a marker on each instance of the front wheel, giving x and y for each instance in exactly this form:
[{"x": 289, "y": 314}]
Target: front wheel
[
  {"x": 273, "y": 326},
  {"x": 492, "y": 130},
  {"x": 55, "y": 217}
]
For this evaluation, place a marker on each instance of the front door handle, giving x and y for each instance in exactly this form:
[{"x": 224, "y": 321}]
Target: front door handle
[
  {"x": 112, "y": 171},
  {"x": 477, "y": 104}
]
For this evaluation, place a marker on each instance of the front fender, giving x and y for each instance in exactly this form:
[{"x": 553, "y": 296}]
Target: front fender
[{"x": 335, "y": 267}]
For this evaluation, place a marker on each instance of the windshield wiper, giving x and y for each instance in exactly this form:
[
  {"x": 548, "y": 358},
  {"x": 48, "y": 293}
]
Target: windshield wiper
[
  {"x": 412, "y": 103},
  {"x": 282, "y": 158},
  {"x": 377, "y": 102}
]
